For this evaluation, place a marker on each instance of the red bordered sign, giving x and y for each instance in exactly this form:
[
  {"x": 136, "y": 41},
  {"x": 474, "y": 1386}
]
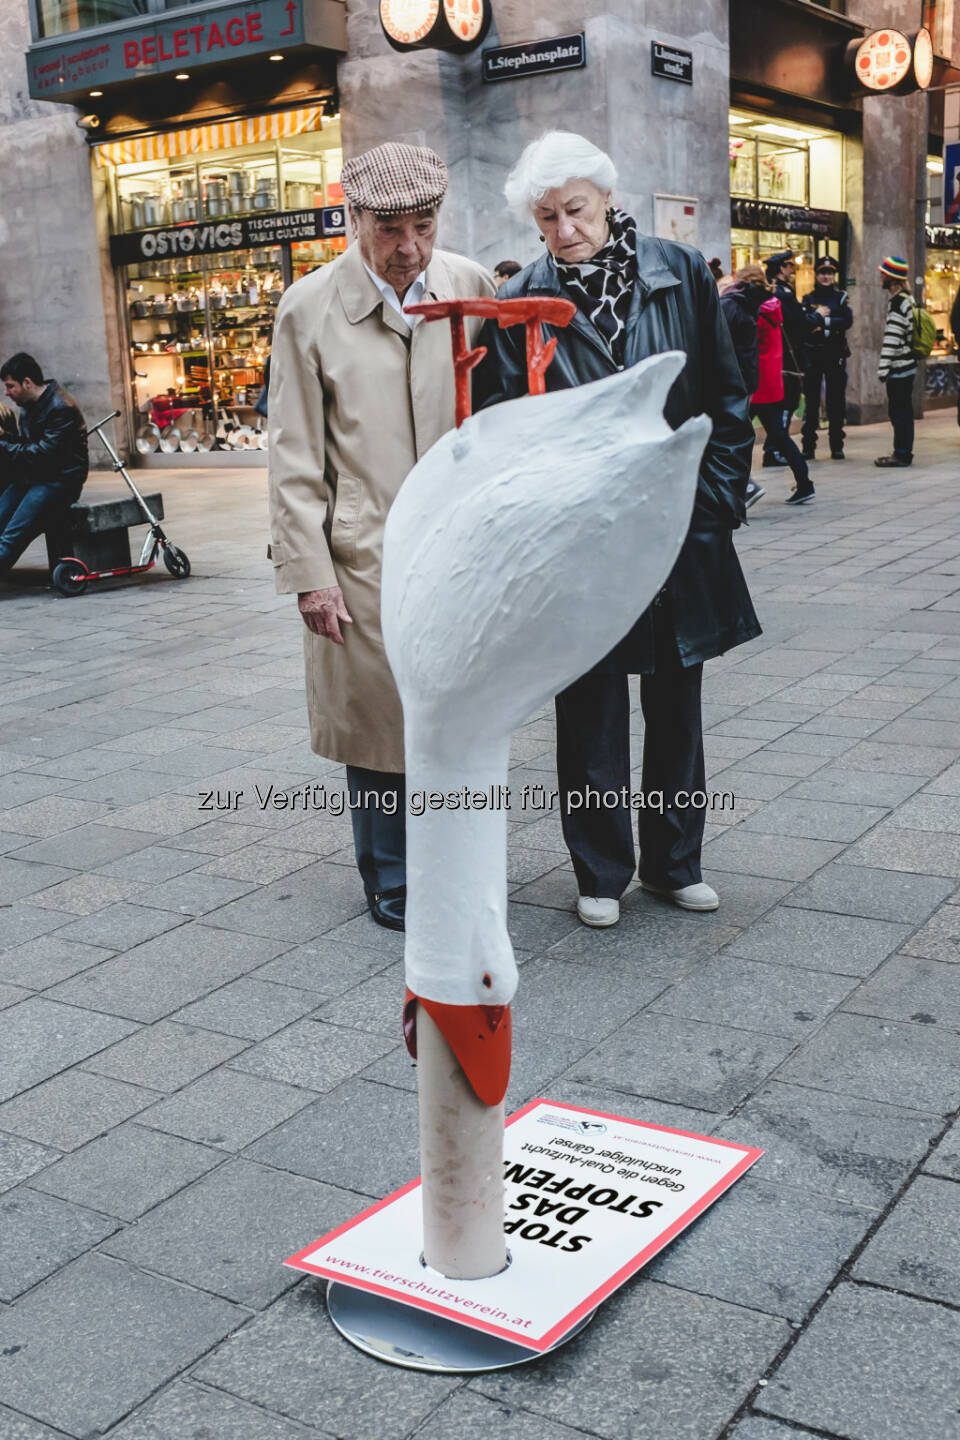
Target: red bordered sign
[{"x": 435, "y": 24}]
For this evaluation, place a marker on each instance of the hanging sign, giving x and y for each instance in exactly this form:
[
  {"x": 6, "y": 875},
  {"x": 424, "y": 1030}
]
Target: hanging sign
[
  {"x": 215, "y": 237},
  {"x": 891, "y": 62},
  {"x": 590, "y": 1198},
  {"x": 435, "y": 24},
  {"x": 511, "y": 62},
  {"x": 670, "y": 63}
]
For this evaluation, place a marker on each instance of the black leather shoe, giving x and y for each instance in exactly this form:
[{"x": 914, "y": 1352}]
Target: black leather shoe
[
  {"x": 837, "y": 455},
  {"x": 388, "y": 907},
  {"x": 894, "y": 462}
]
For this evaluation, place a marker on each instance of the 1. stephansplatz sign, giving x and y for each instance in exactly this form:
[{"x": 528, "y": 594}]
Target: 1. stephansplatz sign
[{"x": 590, "y": 1198}]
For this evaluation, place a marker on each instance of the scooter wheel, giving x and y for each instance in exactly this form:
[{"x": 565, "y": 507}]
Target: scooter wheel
[
  {"x": 70, "y": 577},
  {"x": 176, "y": 561}
]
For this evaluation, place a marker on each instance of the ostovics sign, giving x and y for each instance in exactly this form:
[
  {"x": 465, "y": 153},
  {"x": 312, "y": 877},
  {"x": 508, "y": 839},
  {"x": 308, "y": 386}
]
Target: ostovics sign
[{"x": 214, "y": 237}]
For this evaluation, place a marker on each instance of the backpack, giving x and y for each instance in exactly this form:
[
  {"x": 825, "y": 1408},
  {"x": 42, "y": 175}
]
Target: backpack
[{"x": 924, "y": 331}]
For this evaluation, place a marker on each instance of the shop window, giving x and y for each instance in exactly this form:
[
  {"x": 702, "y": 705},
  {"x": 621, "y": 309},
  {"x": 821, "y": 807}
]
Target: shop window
[
  {"x": 784, "y": 162},
  {"x": 63, "y": 17},
  {"x": 939, "y": 20},
  {"x": 934, "y": 190}
]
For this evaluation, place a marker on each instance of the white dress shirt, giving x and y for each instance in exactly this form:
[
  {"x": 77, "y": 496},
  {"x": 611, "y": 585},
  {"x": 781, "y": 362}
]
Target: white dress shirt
[{"x": 413, "y": 296}]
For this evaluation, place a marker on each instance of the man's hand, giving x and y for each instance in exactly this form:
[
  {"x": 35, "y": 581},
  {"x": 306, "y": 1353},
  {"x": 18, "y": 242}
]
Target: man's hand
[
  {"x": 324, "y": 612},
  {"x": 824, "y": 310}
]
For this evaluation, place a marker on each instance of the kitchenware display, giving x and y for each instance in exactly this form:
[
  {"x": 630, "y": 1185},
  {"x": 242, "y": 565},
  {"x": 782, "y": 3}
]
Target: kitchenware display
[
  {"x": 183, "y": 302},
  {"x": 148, "y": 439},
  {"x": 162, "y": 305},
  {"x": 155, "y": 211},
  {"x": 275, "y": 295},
  {"x": 218, "y": 300},
  {"x": 265, "y": 195},
  {"x": 241, "y": 438},
  {"x": 190, "y": 442},
  {"x": 170, "y": 439},
  {"x": 206, "y": 440},
  {"x": 297, "y": 195},
  {"x": 140, "y": 308}
]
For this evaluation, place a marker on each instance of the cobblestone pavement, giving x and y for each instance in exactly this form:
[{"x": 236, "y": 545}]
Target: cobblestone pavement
[{"x": 200, "y": 1065}]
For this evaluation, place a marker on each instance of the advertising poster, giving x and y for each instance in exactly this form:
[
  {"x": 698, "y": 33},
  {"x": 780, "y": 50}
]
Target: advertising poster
[
  {"x": 590, "y": 1199},
  {"x": 951, "y": 184}
]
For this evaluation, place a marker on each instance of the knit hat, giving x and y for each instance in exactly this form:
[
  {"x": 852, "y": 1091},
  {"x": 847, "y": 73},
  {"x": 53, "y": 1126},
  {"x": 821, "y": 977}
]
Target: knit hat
[
  {"x": 896, "y": 267},
  {"x": 775, "y": 263},
  {"x": 395, "y": 179}
]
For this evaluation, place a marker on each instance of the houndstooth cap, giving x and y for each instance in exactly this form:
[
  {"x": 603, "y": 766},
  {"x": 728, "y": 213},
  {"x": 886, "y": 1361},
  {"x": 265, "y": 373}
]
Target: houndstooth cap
[{"x": 394, "y": 178}]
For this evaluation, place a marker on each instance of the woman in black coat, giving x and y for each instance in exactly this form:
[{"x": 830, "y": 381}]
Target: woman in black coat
[{"x": 636, "y": 296}]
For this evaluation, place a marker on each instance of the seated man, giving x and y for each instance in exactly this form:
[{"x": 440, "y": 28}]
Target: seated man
[{"x": 42, "y": 470}]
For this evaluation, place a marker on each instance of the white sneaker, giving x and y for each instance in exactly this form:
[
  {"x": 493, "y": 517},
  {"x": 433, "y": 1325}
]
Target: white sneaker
[
  {"x": 598, "y": 913},
  {"x": 688, "y": 897}
]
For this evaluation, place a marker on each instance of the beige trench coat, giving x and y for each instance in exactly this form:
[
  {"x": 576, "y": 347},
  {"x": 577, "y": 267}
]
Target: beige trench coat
[{"x": 355, "y": 399}]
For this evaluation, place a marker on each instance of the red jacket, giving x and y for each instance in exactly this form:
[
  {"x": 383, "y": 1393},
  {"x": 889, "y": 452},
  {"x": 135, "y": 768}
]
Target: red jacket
[{"x": 770, "y": 345}]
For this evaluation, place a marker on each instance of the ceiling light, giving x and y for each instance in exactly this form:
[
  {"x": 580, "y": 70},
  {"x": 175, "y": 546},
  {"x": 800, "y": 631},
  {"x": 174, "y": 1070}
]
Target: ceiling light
[
  {"x": 275, "y": 57},
  {"x": 181, "y": 75},
  {"x": 785, "y": 132},
  {"x": 935, "y": 167},
  {"x": 95, "y": 94}
]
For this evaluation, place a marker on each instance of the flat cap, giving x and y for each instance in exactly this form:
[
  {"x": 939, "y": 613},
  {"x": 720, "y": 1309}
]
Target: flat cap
[{"x": 394, "y": 178}]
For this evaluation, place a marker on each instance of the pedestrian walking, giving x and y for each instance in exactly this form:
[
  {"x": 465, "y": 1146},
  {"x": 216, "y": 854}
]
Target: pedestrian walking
[
  {"x": 767, "y": 401},
  {"x": 636, "y": 296},
  {"x": 359, "y": 390},
  {"x": 505, "y": 270},
  {"x": 740, "y": 303},
  {"x": 43, "y": 463},
  {"x": 798, "y": 326},
  {"x": 826, "y": 360},
  {"x": 716, "y": 268},
  {"x": 955, "y": 328},
  {"x": 898, "y": 363}
]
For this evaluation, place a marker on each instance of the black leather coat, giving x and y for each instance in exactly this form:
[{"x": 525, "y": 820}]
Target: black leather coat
[
  {"x": 674, "y": 307},
  {"x": 52, "y": 446}
]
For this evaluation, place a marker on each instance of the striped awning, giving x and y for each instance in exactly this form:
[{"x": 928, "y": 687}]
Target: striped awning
[{"x": 219, "y": 135}]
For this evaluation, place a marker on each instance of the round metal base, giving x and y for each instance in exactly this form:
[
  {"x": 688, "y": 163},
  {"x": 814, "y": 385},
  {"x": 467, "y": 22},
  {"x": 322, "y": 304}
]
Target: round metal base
[{"x": 417, "y": 1340}]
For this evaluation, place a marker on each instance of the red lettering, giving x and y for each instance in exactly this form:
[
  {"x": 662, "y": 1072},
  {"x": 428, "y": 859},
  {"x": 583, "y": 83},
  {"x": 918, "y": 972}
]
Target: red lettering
[
  {"x": 149, "y": 49},
  {"x": 214, "y": 37},
  {"x": 197, "y": 32},
  {"x": 180, "y": 42},
  {"x": 235, "y": 32},
  {"x": 165, "y": 54},
  {"x": 291, "y": 9},
  {"x": 254, "y": 26},
  {"x": 131, "y": 54}
]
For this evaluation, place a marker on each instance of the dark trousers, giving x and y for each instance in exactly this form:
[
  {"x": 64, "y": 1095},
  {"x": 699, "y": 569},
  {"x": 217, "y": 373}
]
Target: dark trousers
[
  {"x": 24, "y": 514},
  {"x": 778, "y": 439},
  {"x": 900, "y": 410},
  {"x": 792, "y": 390},
  {"x": 378, "y": 812},
  {"x": 593, "y": 760},
  {"x": 832, "y": 374}
]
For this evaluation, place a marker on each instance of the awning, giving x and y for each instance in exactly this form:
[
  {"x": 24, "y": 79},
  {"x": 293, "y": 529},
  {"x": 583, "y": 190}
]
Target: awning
[{"x": 204, "y": 139}]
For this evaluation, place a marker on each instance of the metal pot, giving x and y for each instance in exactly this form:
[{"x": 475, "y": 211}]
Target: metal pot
[
  {"x": 170, "y": 440},
  {"x": 241, "y": 438},
  {"x": 206, "y": 440},
  {"x": 139, "y": 309},
  {"x": 183, "y": 302},
  {"x": 162, "y": 305},
  {"x": 190, "y": 442},
  {"x": 148, "y": 439},
  {"x": 265, "y": 195},
  {"x": 298, "y": 196},
  {"x": 154, "y": 210},
  {"x": 275, "y": 296},
  {"x": 185, "y": 209},
  {"x": 218, "y": 300}
]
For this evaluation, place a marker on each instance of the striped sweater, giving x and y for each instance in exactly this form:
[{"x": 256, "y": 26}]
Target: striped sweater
[{"x": 897, "y": 360}]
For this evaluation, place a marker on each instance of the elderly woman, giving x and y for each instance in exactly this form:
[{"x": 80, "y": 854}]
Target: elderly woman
[{"x": 636, "y": 296}]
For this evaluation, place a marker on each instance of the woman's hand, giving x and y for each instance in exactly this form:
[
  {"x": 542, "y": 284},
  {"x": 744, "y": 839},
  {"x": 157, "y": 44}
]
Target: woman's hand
[{"x": 324, "y": 612}]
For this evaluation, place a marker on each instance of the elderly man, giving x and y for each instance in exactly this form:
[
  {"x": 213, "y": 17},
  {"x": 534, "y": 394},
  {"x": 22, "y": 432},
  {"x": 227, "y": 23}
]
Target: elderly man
[{"x": 359, "y": 390}]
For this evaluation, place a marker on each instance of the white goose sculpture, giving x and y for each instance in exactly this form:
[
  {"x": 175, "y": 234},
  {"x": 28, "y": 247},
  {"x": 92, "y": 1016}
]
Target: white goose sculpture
[{"x": 519, "y": 550}]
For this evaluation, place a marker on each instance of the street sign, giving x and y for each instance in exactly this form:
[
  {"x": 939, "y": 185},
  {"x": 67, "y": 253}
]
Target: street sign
[
  {"x": 590, "y": 1199},
  {"x": 513, "y": 62},
  {"x": 670, "y": 63}
]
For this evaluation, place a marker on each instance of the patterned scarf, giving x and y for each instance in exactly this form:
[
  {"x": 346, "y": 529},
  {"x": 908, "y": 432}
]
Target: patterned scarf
[{"x": 602, "y": 287}]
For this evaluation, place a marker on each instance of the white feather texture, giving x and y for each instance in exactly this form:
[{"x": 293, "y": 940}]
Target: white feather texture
[{"x": 519, "y": 550}]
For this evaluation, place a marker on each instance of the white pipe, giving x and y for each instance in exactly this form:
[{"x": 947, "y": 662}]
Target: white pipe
[{"x": 461, "y": 1150}]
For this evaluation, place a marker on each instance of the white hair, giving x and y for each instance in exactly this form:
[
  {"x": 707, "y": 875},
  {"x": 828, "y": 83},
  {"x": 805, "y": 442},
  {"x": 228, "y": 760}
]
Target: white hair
[{"x": 547, "y": 163}]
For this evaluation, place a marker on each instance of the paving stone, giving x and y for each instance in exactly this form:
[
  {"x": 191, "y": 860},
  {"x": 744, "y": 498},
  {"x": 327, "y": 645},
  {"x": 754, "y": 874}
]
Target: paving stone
[
  {"x": 185, "y": 1411},
  {"x": 21, "y": 922},
  {"x": 744, "y": 898},
  {"x": 120, "y": 927},
  {"x": 122, "y": 787},
  {"x": 375, "y": 1005},
  {"x": 216, "y": 837},
  {"x": 815, "y": 940},
  {"x": 754, "y": 1427},
  {"x": 912, "y": 1065},
  {"x": 742, "y": 782},
  {"x": 97, "y": 844},
  {"x": 261, "y": 863},
  {"x": 328, "y": 966},
  {"x": 85, "y": 894},
  {"x": 230, "y": 1232},
  {"x": 297, "y": 908},
  {"x": 776, "y": 857},
  {"x": 316, "y": 1143},
  {"x": 918, "y": 852},
  {"x": 939, "y": 939},
  {"x": 20, "y": 877},
  {"x": 81, "y": 1350},
  {"x": 40, "y": 1235},
  {"x": 768, "y": 1248},
  {"x": 856, "y": 787},
  {"x": 19, "y": 1427},
  {"x": 907, "y": 988},
  {"x": 468, "y": 1416},
  {"x": 194, "y": 894},
  {"x": 534, "y": 927},
  {"x": 877, "y": 894},
  {"x": 814, "y": 819},
  {"x": 872, "y": 1366},
  {"x": 226, "y": 1109},
  {"x": 127, "y": 1171},
  {"x": 312, "y": 1054},
  {"x": 708, "y": 1067},
  {"x": 168, "y": 972},
  {"x": 775, "y": 999},
  {"x": 38, "y": 1038},
  {"x": 917, "y": 1248},
  {"x": 938, "y": 813},
  {"x": 166, "y": 1056},
  {"x": 945, "y": 1159},
  {"x": 292, "y": 1361},
  {"x": 650, "y": 932},
  {"x": 72, "y": 1108},
  {"x": 51, "y": 815},
  {"x": 553, "y": 997},
  {"x": 19, "y": 1159},
  {"x": 250, "y": 1008},
  {"x": 899, "y": 759},
  {"x": 697, "y": 1363},
  {"x": 154, "y": 864}
]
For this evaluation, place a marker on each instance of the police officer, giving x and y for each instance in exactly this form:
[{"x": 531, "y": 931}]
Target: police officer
[
  {"x": 798, "y": 325},
  {"x": 827, "y": 351}
]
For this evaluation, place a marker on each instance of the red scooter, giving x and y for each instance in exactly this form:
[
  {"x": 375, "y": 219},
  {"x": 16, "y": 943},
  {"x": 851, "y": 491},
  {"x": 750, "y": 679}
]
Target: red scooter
[{"x": 71, "y": 576}]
